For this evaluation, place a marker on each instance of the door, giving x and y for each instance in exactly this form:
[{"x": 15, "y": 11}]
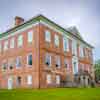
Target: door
[{"x": 10, "y": 83}]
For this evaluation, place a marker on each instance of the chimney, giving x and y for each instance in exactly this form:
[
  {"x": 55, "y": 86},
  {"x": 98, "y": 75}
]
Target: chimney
[{"x": 18, "y": 20}]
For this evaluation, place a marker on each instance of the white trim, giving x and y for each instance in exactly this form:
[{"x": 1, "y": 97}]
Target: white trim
[
  {"x": 44, "y": 23},
  {"x": 58, "y": 79},
  {"x": 19, "y": 31}
]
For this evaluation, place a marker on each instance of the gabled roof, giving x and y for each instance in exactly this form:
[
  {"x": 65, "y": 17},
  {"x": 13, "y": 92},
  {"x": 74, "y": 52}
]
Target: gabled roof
[
  {"x": 74, "y": 30},
  {"x": 48, "y": 21}
]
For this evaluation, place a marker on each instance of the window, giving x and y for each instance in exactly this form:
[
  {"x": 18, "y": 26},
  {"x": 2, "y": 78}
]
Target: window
[
  {"x": 12, "y": 43},
  {"x": 18, "y": 81},
  {"x": 74, "y": 47},
  {"x": 57, "y": 79},
  {"x": 20, "y": 40},
  {"x": 48, "y": 79},
  {"x": 75, "y": 68},
  {"x": 18, "y": 62},
  {"x": 0, "y": 47},
  {"x": 56, "y": 40},
  {"x": 57, "y": 61},
  {"x": 4, "y": 66},
  {"x": 11, "y": 63},
  {"x": 47, "y": 36},
  {"x": 65, "y": 44},
  {"x": 29, "y": 79},
  {"x": 29, "y": 59},
  {"x": 48, "y": 59},
  {"x": 30, "y": 36},
  {"x": 81, "y": 51},
  {"x": 5, "y": 45},
  {"x": 66, "y": 63}
]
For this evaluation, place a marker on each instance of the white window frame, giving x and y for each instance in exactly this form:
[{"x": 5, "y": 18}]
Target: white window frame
[
  {"x": 28, "y": 57},
  {"x": 29, "y": 79},
  {"x": 74, "y": 47},
  {"x": 65, "y": 42},
  {"x": 48, "y": 55},
  {"x": 56, "y": 40},
  {"x": 47, "y": 36},
  {"x": 12, "y": 42},
  {"x": 49, "y": 79},
  {"x": 67, "y": 62},
  {"x": 30, "y": 36},
  {"x": 20, "y": 40},
  {"x": 75, "y": 68},
  {"x": 19, "y": 57},
  {"x": 6, "y": 45},
  {"x": 81, "y": 51},
  {"x": 58, "y": 79},
  {"x": 58, "y": 61}
]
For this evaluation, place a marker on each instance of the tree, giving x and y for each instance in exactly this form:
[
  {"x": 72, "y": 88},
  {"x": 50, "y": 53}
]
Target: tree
[{"x": 97, "y": 70}]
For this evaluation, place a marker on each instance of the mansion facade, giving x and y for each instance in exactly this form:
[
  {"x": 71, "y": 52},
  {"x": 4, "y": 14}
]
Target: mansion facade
[{"x": 39, "y": 53}]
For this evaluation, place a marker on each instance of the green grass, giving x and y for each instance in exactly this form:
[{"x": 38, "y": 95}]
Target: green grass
[{"x": 51, "y": 94}]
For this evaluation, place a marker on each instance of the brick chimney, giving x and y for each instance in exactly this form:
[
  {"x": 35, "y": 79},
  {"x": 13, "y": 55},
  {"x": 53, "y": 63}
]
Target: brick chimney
[{"x": 18, "y": 20}]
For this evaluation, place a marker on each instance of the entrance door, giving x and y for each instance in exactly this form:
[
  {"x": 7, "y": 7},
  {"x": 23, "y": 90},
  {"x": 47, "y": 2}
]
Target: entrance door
[{"x": 10, "y": 83}]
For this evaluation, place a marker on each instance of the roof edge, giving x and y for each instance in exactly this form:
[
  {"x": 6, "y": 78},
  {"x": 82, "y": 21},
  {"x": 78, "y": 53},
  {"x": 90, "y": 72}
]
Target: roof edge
[{"x": 38, "y": 18}]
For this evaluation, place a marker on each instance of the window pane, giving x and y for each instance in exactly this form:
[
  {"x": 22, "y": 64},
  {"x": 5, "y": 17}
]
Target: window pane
[
  {"x": 30, "y": 59},
  {"x": 11, "y": 63},
  {"x": 81, "y": 51},
  {"x": 47, "y": 36},
  {"x": 56, "y": 40},
  {"x": 5, "y": 45},
  {"x": 4, "y": 66},
  {"x": 29, "y": 79},
  {"x": 48, "y": 79},
  {"x": 20, "y": 40},
  {"x": 18, "y": 62},
  {"x": 48, "y": 59},
  {"x": 74, "y": 47},
  {"x": 30, "y": 36},
  {"x": 57, "y": 79},
  {"x": 57, "y": 59},
  {"x": 65, "y": 44},
  {"x": 75, "y": 68}
]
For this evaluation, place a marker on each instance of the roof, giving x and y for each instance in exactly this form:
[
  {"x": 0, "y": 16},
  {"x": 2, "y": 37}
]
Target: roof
[
  {"x": 74, "y": 31},
  {"x": 48, "y": 21}
]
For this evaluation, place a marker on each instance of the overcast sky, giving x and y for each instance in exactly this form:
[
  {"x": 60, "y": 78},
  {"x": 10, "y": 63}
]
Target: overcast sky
[{"x": 84, "y": 14}]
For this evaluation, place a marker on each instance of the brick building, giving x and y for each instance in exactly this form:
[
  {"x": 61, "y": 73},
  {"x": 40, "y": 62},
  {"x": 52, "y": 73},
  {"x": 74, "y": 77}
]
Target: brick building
[{"x": 39, "y": 53}]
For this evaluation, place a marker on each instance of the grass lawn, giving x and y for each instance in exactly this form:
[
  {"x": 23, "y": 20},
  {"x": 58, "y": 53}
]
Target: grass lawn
[{"x": 51, "y": 94}]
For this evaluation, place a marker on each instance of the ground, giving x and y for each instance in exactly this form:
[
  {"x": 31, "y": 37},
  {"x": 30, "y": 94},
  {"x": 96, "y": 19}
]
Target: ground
[{"x": 51, "y": 94}]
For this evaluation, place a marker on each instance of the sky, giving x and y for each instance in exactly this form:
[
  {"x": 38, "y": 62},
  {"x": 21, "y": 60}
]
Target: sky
[{"x": 84, "y": 14}]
